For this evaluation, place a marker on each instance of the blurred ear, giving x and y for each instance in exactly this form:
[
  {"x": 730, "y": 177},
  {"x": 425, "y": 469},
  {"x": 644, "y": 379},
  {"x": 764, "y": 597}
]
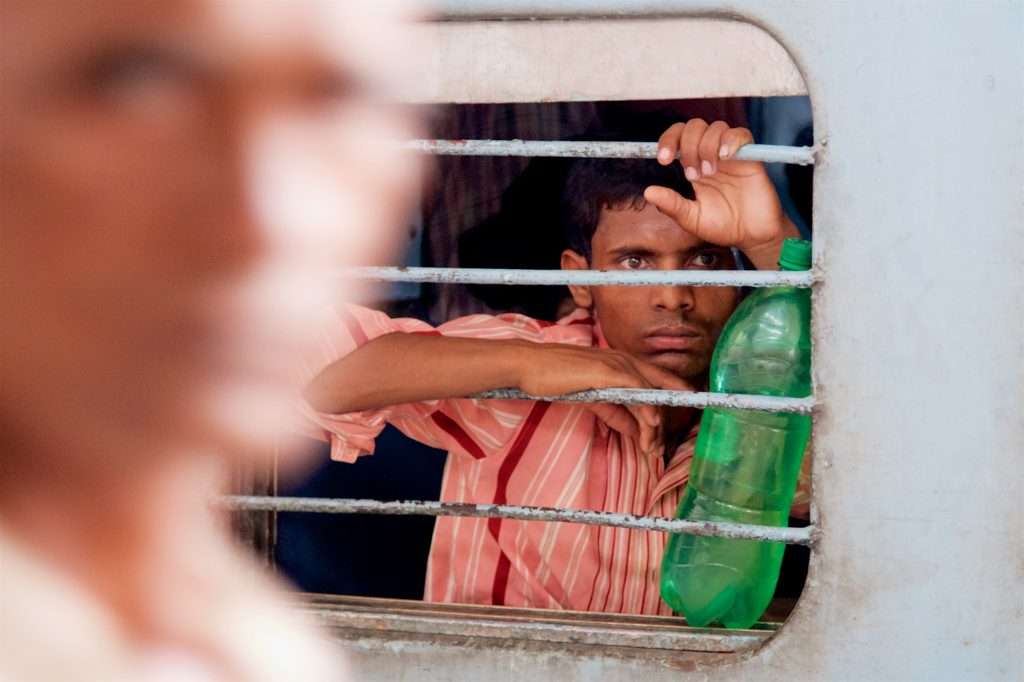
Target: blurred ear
[{"x": 574, "y": 261}]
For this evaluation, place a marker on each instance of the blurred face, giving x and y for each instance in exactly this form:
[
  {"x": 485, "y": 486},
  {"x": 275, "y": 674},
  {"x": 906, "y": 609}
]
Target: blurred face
[
  {"x": 179, "y": 178},
  {"x": 673, "y": 327}
]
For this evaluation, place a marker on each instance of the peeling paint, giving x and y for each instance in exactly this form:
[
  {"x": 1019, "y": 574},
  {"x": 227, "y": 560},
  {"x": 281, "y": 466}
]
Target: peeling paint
[
  {"x": 768, "y": 153},
  {"x": 697, "y": 278},
  {"x": 318, "y": 505},
  {"x": 654, "y": 396}
]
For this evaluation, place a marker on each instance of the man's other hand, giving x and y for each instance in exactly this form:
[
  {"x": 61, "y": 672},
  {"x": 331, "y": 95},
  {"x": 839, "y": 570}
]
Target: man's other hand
[{"x": 556, "y": 369}]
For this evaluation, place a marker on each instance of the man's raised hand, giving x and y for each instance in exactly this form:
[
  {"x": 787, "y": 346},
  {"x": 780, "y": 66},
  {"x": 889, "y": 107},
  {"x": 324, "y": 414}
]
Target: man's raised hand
[{"x": 736, "y": 204}]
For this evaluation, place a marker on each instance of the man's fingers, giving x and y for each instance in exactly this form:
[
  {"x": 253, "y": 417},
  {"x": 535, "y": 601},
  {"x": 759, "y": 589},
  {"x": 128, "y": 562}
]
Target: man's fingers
[
  {"x": 617, "y": 417},
  {"x": 621, "y": 419},
  {"x": 710, "y": 145},
  {"x": 639, "y": 421},
  {"x": 628, "y": 375},
  {"x": 677, "y": 207},
  {"x": 662, "y": 378},
  {"x": 649, "y": 433},
  {"x": 689, "y": 148},
  {"x": 668, "y": 143},
  {"x": 646, "y": 415},
  {"x": 732, "y": 140},
  {"x": 647, "y": 438},
  {"x": 701, "y": 146}
]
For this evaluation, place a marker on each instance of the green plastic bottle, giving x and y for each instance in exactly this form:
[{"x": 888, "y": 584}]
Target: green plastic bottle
[{"x": 746, "y": 465}]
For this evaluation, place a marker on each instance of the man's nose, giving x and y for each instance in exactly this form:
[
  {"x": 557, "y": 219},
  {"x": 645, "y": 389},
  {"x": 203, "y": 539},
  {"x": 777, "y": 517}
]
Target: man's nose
[
  {"x": 218, "y": 231},
  {"x": 672, "y": 299},
  {"x": 267, "y": 201}
]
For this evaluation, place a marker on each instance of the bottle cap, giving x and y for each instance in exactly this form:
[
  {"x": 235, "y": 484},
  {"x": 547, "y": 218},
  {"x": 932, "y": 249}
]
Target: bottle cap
[{"x": 796, "y": 255}]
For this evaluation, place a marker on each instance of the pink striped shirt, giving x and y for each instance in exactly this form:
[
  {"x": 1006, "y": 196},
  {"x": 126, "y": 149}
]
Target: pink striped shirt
[{"x": 526, "y": 453}]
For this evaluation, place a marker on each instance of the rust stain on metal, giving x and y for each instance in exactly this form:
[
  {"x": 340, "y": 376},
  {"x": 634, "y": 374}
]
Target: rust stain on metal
[
  {"x": 796, "y": 536},
  {"x": 516, "y": 277},
  {"x": 595, "y": 149},
  {"x": 644, "y": 396}
]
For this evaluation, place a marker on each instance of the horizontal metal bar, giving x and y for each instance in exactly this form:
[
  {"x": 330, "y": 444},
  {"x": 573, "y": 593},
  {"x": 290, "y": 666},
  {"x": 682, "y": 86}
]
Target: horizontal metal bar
[
  {"x": 768, "y": 153},
  {"x": 742, "y": 531},
  {"x": 697, "y": 278},
  {"x": 649, "y": 396}
]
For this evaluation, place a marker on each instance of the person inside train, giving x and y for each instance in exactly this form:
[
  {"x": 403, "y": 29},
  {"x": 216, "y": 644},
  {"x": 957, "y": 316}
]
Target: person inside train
[{"x": 620, "y": 215}]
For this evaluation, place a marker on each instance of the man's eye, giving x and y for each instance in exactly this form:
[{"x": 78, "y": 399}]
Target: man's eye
[
  {"x": 131, "y": 71},
  {"x": 708, "y": 259},
  {"x": 633, "y": 262}
]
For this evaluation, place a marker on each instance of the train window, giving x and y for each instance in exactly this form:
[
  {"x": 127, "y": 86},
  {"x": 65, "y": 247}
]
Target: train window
[{"x": 514, "y": 107}]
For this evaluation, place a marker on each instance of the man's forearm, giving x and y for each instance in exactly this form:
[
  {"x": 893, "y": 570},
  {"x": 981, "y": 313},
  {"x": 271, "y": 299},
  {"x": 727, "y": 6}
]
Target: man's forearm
[{"x": 403, "y": 368}]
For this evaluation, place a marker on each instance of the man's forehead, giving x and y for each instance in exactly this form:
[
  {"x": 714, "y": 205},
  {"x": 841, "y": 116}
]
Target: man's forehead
[
  {"x": 30, "y": 30},
  {"x": 346, "y": 29},
  {"x": 361, "y": 33},
  {"x": 646, "y": 227}
]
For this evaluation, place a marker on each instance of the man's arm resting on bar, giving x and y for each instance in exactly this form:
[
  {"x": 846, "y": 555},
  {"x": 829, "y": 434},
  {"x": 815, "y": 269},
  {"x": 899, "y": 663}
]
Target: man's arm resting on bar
[{"x": 403, "y": 368}]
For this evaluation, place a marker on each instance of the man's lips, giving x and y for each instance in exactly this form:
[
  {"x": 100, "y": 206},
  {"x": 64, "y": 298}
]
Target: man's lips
[{"x": 674, "y": 338}]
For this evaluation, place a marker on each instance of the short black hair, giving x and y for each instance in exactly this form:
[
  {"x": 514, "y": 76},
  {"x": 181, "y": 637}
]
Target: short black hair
[{"x": 596, "y": 184}]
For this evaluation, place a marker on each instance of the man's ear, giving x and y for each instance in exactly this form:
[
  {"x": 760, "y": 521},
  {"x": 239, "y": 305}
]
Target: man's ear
[{"x": 574, "y": 261}]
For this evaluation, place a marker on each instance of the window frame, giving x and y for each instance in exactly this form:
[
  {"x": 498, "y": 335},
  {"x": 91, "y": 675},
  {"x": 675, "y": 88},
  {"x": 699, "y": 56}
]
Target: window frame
[
  {"x": 381, "y": 624},
  {"x": 916, "y": 358}
]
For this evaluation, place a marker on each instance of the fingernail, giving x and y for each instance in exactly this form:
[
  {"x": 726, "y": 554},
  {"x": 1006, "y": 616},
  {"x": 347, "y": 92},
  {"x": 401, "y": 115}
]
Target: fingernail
[
  {"x": 723, "y": 151},
  {"x": 705, "y": 168},
  {"x": 691, "y": 173},
  {"x": 664, "y": 155}
]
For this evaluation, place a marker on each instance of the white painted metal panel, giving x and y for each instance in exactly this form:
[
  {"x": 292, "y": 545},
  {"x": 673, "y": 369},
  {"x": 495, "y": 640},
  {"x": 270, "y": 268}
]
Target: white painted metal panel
[
  {"x": 919, "y": 363},
  {"x": 564, "y": 60}
]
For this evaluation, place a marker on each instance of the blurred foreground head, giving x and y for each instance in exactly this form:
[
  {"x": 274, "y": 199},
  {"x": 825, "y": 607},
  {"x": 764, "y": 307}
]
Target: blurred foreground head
[{"x": 177, "y": 178}]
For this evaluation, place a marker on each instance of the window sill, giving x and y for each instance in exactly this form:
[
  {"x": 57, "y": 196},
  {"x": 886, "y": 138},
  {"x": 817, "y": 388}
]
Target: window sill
[{"x": 666, "y": 638}]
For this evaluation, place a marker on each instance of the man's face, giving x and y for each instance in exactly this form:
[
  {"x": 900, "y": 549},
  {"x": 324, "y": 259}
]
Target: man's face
[
  {"x": 673, "y": 327},
  {"x": 178, "y": 178}
]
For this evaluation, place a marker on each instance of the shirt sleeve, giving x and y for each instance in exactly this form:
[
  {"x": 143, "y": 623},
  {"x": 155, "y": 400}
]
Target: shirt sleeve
[{"x": 471, "y": 427}]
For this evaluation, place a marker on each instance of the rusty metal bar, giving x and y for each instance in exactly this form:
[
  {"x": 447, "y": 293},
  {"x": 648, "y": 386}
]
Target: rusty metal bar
[
  {"x": 319, "y": 505},
  {"x": 648, "y": 396},
  {"x": 518, "y": 624},
  {"x": 768, "y": 153},
  {"x": 697, "y": 278}
]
